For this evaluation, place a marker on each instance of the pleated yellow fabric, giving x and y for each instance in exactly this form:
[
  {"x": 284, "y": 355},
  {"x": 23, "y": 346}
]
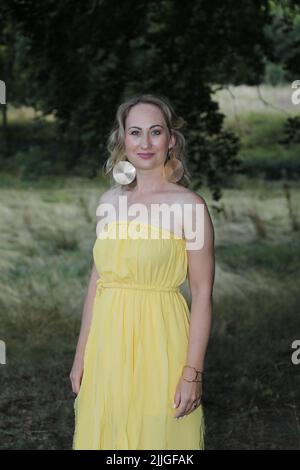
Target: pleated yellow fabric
[{"x": 137, "y": 345}]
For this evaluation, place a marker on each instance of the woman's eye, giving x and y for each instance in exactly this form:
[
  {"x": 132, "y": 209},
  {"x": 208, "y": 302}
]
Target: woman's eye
[{"x": 157, "y": 132}]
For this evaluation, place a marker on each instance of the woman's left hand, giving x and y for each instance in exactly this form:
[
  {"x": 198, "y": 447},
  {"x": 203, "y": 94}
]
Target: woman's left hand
[{"x": 187, "y": 398}]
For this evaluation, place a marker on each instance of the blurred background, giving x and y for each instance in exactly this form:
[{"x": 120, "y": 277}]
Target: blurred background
[{"x": 228, "y": 68}]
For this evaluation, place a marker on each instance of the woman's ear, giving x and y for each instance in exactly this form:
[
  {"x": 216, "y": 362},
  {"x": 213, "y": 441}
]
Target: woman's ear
[{"x": 172, "y": 141}]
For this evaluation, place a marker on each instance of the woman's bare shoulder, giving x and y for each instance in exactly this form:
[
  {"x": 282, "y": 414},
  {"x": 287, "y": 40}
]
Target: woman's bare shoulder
[
  {"x": 187, "y": 195},
  {"x": 110, "y": 198},
  {"x": 109, "y": 195}
]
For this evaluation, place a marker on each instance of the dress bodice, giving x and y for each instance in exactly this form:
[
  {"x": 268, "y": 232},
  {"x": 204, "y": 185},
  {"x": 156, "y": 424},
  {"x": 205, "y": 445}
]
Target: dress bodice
[{"x": 137, "y": 253}]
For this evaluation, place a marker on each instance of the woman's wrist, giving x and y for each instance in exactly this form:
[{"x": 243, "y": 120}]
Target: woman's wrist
[{"x": 191, "y": 374}]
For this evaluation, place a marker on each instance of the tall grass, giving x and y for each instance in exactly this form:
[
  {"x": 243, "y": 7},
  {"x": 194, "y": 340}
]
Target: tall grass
[{"x": 251, "y": 390}]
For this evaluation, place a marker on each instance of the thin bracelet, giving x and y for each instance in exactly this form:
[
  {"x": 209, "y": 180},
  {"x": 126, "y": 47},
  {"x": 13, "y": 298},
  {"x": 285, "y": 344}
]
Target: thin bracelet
[{"x": 197, "y": 372}]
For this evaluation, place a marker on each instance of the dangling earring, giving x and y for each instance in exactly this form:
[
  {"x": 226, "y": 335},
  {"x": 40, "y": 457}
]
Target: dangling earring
[
  {"x": 124, "y": 172},
  {"x": 174, "y": 170}
]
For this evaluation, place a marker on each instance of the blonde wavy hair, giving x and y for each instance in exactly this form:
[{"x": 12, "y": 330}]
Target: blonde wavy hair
[{"x": 115, "y": 142}]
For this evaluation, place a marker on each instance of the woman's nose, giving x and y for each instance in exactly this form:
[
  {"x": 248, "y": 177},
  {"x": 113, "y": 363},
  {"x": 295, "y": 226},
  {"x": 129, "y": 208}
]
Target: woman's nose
[{"x": 145, "y": 141}]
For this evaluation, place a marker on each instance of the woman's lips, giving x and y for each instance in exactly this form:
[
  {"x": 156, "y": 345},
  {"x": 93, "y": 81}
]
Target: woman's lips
[{"x": 145, "y": 155}]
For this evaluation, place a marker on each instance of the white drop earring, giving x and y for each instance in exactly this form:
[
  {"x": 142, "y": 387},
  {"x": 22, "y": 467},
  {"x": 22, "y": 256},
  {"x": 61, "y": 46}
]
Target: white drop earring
[{"x": 124, "y": 172}]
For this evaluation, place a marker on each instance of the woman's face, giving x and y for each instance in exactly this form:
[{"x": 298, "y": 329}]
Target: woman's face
[{"x": 147, "y": 138}]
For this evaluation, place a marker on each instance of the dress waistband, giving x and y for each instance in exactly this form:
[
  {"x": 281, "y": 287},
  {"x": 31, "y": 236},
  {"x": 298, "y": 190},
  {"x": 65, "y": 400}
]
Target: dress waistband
[{"x": 122, "y": 285}]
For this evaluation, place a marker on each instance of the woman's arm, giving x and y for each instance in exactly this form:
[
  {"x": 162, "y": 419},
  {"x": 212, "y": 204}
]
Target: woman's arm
[
  {"x": 201, "y": 268},
  {"x": 78, "y": 363},
  {"x": 87, "y": 314},
  {"x": 201, "y": 272}
]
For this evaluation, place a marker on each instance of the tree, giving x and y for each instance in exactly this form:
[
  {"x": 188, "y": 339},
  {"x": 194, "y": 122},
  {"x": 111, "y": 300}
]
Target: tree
[{"x": 85, "y": 57}]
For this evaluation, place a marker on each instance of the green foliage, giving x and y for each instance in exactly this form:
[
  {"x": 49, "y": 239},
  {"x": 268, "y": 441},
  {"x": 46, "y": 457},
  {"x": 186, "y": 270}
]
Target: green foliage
[
  {"x": 36, "y": 162},
  {"x": 219, "y": 163},
  {"x": 284, "y": 34},
  {"x": 272, "y": 169},
  {"x": 81, "y": 59},
  {"x": 281, "y": 258},
  {"x": 291, "y": 131},
  {"x": 268, "y": 146},
  {"x": 275, "y": 74}
]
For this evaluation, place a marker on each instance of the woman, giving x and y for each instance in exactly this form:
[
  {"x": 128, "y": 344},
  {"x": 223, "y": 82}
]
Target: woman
[{"x": 138, "y": 367}]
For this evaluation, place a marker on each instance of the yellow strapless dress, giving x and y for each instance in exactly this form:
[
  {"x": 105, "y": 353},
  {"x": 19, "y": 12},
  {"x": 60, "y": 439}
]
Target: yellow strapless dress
[{"x": 137, "y": 345}]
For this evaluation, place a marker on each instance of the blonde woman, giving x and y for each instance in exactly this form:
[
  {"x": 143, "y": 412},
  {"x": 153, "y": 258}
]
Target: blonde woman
[{"x": 138, "y": 369}]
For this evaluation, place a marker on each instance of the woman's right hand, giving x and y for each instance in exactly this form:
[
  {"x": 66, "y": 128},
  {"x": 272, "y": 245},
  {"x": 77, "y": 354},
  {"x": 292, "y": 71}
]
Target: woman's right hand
[{"x": 76, "y": 374}]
